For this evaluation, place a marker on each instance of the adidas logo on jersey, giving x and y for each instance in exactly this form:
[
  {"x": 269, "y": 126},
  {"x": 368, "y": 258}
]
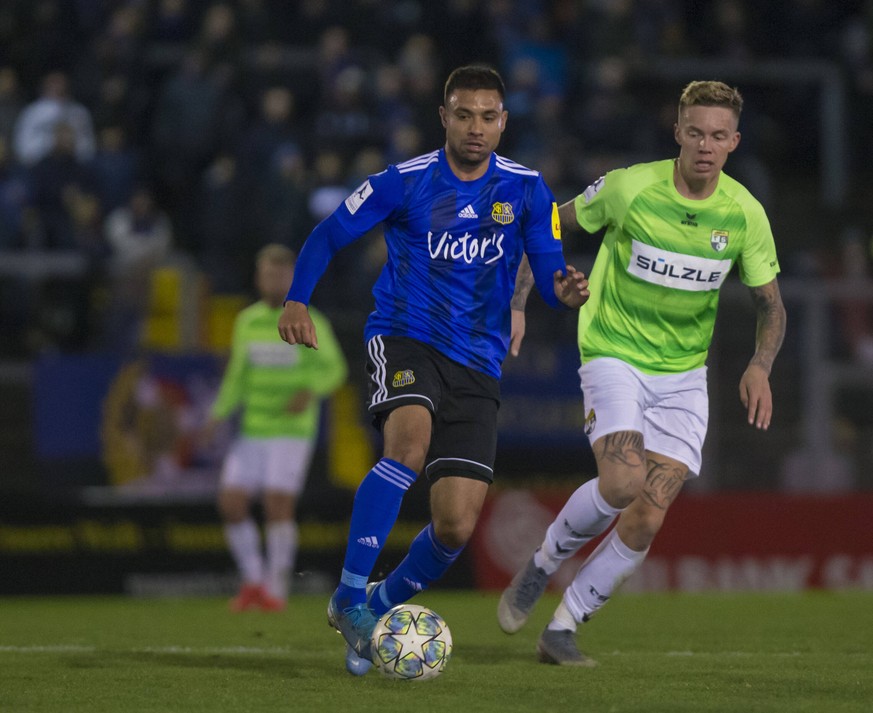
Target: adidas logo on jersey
[
  {"x": 468, "y": 212},
  {"x": 369, "y": 542}
]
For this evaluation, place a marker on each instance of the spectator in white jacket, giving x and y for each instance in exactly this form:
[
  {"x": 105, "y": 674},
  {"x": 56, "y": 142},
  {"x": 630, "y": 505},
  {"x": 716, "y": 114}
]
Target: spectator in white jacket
[{"x": 34, "y": 131}]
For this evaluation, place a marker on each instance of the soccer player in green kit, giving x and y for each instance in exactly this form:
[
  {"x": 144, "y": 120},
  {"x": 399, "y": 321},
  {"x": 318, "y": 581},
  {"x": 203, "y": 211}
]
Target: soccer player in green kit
[
  {"x": 279, "y": 389},
  {"x": 674, "y": 229}
]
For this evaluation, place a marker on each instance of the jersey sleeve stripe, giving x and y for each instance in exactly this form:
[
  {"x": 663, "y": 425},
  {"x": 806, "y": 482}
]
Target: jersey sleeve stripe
[
  {"x": 513, "y": 167},
  {"x": 418, "y": 163}
]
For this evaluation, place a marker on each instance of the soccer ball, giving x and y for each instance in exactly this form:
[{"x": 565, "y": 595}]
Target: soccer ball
[{"x": 411, "y": 643}]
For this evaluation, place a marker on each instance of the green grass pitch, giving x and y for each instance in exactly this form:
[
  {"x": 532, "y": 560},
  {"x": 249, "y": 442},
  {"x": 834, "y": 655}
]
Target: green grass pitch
[{"x": 667, "y": 652}]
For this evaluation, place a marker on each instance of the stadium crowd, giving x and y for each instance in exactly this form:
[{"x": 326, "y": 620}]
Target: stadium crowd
[{"x": 132, "y": 131}]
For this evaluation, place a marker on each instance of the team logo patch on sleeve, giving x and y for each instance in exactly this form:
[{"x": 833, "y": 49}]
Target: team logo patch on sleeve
[
  {"x": 502, "y": 213},
  {"x": 590, "y": 422},
  {"x": 361, "y": 193},
  {"x": 593, "y": 189},
  {"x": 556, "y": 222},
  {"x": 719, "y": 240},
  {"x": 402, "y": 378}
]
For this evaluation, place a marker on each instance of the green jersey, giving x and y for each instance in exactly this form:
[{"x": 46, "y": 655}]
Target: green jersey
[
  {"x": 655, "y": 283},
  {"x": 264, "y": 374}
]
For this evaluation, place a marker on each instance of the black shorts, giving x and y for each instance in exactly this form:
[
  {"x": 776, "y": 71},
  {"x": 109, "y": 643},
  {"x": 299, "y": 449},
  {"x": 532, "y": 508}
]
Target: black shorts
[{"x": 462, "y": 401}]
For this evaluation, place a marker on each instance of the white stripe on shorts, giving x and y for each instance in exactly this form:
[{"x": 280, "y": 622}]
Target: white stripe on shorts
[{"x": 376, "y": 349}]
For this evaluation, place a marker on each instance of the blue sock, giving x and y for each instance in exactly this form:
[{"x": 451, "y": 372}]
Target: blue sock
[
  {"x": 377, "y": 504},
  {"x": 427, "y": 561}
]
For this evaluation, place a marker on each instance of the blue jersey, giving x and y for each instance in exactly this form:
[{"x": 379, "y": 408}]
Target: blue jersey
[{"x": 454, "y": 248}]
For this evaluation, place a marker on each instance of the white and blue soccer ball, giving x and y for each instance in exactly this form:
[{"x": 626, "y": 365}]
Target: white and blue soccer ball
[{"x": 411, "y": 643}]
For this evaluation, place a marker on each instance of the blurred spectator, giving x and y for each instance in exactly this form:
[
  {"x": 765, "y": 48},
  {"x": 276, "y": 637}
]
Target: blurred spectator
[
  {"x": 345, "y": 122},
  {"x": 223, "y": 240},
  {"x": 219, "y": 38},
  {"x": 185, "y": 131},
  {"x": 606, "y": 115},
  {"x": 57, "y": 179},
  {"x": 171, "y": 22},
  {"x": 854, "y": 317},
  {"x": 458, "y": 24},
  {"x": 404, "y": 142},
  {"x": 15, "y": 214},
  {"x": 286, "y": 194},
  {"x": 45, "y": 36},
  {"x": 11, "y": 103},
  {"x": 390, "y": 106},
  {"x": 139, "y": 237},
  {"x": 272, "y": 128},
  {"x": 116, "y": 166},
  {"x": 272, "y": 132},
  {"x": 422, "y": 74},
  {"x": 727, "y": 32},
  {"x": 35, "y": 130},
  {"x": 60, "y": 305},
  {"x": 334, "y": 55},
  {"x": 329, "y": 188}
]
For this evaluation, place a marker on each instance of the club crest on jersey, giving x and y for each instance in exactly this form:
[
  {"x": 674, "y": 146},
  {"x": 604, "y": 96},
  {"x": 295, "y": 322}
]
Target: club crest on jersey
[
  {"x": 590, "y": 422},
  {"x": 502, "y": 213},
  {"x": 719, "y": 240},
  {"x": 402, "y": 378}
]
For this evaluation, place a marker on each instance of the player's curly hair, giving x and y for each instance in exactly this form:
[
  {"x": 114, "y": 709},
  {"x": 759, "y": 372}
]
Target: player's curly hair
[
  {"x": 474, "y": 76},
  {"x": 711, "y": 93}
]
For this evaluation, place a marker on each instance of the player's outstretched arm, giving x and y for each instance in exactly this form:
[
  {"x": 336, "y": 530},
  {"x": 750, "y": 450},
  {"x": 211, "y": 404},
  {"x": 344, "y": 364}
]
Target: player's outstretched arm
[
  {"x": 567, "y": 216},
  {"x": 755, "y": 393},
  {"x": 571, "y": 287},
  {"x": 295, "y": 325}
]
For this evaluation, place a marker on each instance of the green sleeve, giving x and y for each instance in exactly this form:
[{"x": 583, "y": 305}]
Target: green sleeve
[
  {"x": 329, "y": 367},
  {"x": 600, "y": 204},
  {"x": 230, "y": 393},
  {"x": 758, "y": 264}
]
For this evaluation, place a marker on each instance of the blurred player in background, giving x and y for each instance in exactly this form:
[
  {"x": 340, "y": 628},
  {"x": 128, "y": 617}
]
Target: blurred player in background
[
  {"x": 279, "y": 391},
  {"x": 458, "y": 222},
  {"x": 674, "y": 229}
]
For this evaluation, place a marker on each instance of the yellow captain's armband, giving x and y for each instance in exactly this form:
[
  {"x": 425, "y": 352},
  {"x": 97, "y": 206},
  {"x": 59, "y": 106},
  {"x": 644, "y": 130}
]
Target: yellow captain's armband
[{"x": 556, "y": 222}]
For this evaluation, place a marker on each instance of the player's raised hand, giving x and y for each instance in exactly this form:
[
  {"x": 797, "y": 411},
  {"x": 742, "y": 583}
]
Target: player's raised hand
[
  {"x": 571, "y": 287},
  {"x": 295, "y": 325}
]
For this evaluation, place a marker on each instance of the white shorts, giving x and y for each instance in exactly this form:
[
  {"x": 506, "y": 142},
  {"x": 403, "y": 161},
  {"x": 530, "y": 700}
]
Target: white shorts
[
  {"x": 274, "y": 464},
  {"x": 670, "y": 410}
]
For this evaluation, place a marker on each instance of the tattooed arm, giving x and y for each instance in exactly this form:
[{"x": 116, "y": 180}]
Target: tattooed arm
[
  {"x": 524, "y": 281},
  {"x": 755, "y": 383}
]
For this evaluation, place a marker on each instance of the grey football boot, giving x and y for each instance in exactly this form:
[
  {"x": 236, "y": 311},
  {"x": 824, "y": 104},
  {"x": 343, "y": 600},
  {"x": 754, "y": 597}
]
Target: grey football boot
[
  {"x": 559, "y": 647},
  {"x": 518, "y": 599}
]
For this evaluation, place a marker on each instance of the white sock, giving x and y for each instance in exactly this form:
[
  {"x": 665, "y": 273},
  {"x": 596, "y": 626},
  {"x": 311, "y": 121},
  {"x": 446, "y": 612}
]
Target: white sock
[
  {"x": 602, "y": 573},
  {"x": 281, "y": 552},
  {"x": 562, "y": 620},
  {"x": 584, "y": 516},
  {"x": 244, "y": 542}
]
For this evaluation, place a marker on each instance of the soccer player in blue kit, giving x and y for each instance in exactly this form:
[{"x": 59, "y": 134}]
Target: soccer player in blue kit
[{"x": 457, "y": 224}]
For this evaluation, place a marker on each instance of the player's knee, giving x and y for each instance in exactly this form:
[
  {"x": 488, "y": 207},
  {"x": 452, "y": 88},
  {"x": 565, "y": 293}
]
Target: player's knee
[
  {"x": 620, "y": 490},
  {"x": 640, "y": 523},
  {"x": 411, "y": 455},
  {"x": 232, "y": 512},
  {"x": 454, "y": 531}
]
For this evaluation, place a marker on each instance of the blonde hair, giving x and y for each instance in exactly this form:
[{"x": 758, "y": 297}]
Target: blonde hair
[
  {"x": 276, "y": 254},
  {"x": 710, "y": 93}
]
